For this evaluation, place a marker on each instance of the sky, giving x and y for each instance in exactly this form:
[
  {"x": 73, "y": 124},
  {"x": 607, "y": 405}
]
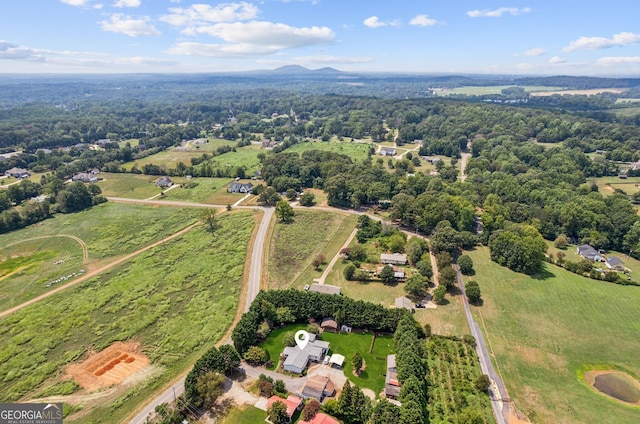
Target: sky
[{"x": 532, "y": 37}]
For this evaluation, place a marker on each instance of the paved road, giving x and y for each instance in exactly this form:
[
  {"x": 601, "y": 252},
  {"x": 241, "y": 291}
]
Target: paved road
[
  {"x": 255, "y": 275},
  {"x": 498, "y": 392}
]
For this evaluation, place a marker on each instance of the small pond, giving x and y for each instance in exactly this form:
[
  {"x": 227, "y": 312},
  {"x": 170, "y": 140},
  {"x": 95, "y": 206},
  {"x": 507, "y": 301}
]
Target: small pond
[{"x": 616, "y": 384}]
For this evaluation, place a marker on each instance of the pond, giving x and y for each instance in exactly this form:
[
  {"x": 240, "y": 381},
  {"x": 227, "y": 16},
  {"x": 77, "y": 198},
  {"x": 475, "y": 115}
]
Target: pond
[{"x": 616, "y": 384}]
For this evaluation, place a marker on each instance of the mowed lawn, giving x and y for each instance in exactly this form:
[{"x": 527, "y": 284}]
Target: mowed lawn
[
  {"x": 346, "y": 344},
  {"x": 132, "y": 186},
  {"x": 543, "y": 330},
  {"x": 356, "y": 151},
  {"x": 295, "y": 245},
  {"x": 245, "y": 414},
  {"x": 36, "y": 255},
  {"x": 205, "y": 190},
  {"x": 177, "y": 300}
]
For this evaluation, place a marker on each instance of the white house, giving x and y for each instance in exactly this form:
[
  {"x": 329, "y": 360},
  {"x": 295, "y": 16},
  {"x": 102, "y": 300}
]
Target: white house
[{"x": 296, "y": 359}]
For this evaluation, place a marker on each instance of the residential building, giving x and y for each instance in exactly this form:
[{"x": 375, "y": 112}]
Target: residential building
[
  {"x": 296, "y": 359},
  {"x": 318, "y": 387},
  {"x": 614, "y": 263},
  {"x": 403, "y": 302},
  {"x": 589, "y": 253},
  {"x": 388, "y": 151},
  {"x": 393, "y": 258},
  {"x": 85, "y": 177},
  {"x": 238, "y": 187},
  {"x": 164, "y": 182},
  {"x": 398, "y": 273},
  {"x": 324, "y": 288},
  {"x": 321, "y": 418},
  {"x": 292, "y": 403},
  {"x": 17, "y": 173},
  {"x": 431, "y": 159}
]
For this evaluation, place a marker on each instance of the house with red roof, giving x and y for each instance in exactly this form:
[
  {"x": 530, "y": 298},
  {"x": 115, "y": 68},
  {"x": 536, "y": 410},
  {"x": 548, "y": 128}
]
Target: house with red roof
[
  {"x": 320, "y": 418},
  {"x": 292, "y": 403}
]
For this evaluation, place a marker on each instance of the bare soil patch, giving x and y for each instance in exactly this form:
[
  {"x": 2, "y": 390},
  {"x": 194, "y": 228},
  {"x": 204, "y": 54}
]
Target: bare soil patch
[
  {"x": 109, "y": 367},
  {"x": 614, "y": 384}
]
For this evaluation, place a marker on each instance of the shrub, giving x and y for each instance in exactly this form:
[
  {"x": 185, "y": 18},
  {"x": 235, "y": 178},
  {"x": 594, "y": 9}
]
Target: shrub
[{"x": 348, "y": 272}]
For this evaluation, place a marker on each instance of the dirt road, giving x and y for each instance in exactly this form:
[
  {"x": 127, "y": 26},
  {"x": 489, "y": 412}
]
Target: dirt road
[{"x": 96, "y": 272}]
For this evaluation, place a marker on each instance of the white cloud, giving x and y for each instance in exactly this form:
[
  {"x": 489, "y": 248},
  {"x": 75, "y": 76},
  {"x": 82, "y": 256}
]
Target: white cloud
[
  {"x": 75, "y": 2},
  {"x": 496, "y": 13},
  {"x": 267, "y": 34},
  {"x": 595, "y": 43},
  {"x": 609, "y": 61},
  {"x": 375, "y": 22},
  {"x": 555, "y": 60},
  {"x": 127, "y": 25},
  {"x": 253, "y": 38},
  {"x": 202, "y": 14},
  {"x": 538, "y": 51},
  {"x": 423, "y": 20},
  {"x": 127, "y": 3}
]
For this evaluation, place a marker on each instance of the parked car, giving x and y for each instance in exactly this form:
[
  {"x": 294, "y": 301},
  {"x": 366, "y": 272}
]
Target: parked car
[
  {"x": 419, "y": 305},
  {"x": 306, "y": 287}
]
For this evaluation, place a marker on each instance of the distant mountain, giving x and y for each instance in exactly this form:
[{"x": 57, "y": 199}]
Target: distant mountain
[{"x": 301, "y": 70}]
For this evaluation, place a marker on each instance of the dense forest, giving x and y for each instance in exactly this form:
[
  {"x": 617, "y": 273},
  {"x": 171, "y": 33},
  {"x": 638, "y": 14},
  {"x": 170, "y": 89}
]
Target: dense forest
[{"x": 528, "y": 165}]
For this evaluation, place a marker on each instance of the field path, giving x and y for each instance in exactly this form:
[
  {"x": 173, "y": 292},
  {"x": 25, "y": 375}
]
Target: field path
[
  {"x": 335, "y": 258},
  {"x": 85, "y": 251},
  {"x": 96, "y": 272}
]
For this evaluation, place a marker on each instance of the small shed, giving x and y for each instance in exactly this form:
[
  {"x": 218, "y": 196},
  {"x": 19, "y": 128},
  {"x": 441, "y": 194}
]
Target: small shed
[
  {"x": 329, "y": 324},
  {"x": 336, "y": 360}
]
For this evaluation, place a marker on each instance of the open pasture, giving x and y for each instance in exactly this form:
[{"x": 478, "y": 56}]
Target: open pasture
[
  {"x": 176, "y": 300},
  {"x": 544, "y": 329}
]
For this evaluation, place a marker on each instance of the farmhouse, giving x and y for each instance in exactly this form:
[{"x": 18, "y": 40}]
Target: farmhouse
[
  {"x": 164, "y": 182},
  {"x": 393, "y": 258},
  {"x": 388, "y": 151},
  {"x": 318, "y": 387},
  {"x": 292, "y": 403},
  {"x": 296, "y": 359},
  {"x": 391, "y": 383},
  {"x": 324, "y": 288},
  {"x": 589, "y": 253},
  {"x": 321, "y": 418},
  {"x": 236, "y": 187},
  {"x": 614, "y": 263},
  {"x": 17, "y": 173},
  {"x": 85, "y": 177}
]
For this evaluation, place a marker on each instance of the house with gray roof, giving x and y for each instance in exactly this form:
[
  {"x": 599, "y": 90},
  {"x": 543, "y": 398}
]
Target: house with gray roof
[
  {"x": 614, "y": 263},
  {"x": 589, "y": 253},
  {"x": 17, "y": 173},
  {"x": 393, "y": 258},
  {"x": 388, "y": 151},
  {"x": 237, "y": 187},
  {"x": 296, "y": 359},
  {"x": 391, "y": 383}
]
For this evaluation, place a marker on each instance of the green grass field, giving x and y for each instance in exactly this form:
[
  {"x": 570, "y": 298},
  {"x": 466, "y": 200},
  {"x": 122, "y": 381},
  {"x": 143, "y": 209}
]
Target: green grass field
[
  {"x": 245, "y": 415},
  {"x": 177, "y": 299},
  {"x": 543, "y": 330},
  {"x": 205, "y": 190},
  {"x": 295, "y": 245},
  {"x": 348, "y": 344},
  {"x": 607, "y": 185},
  {"x": 129, "y": 185},
  {"x": 356, "y": 151},
  {"x": 109, "y": 230}
]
